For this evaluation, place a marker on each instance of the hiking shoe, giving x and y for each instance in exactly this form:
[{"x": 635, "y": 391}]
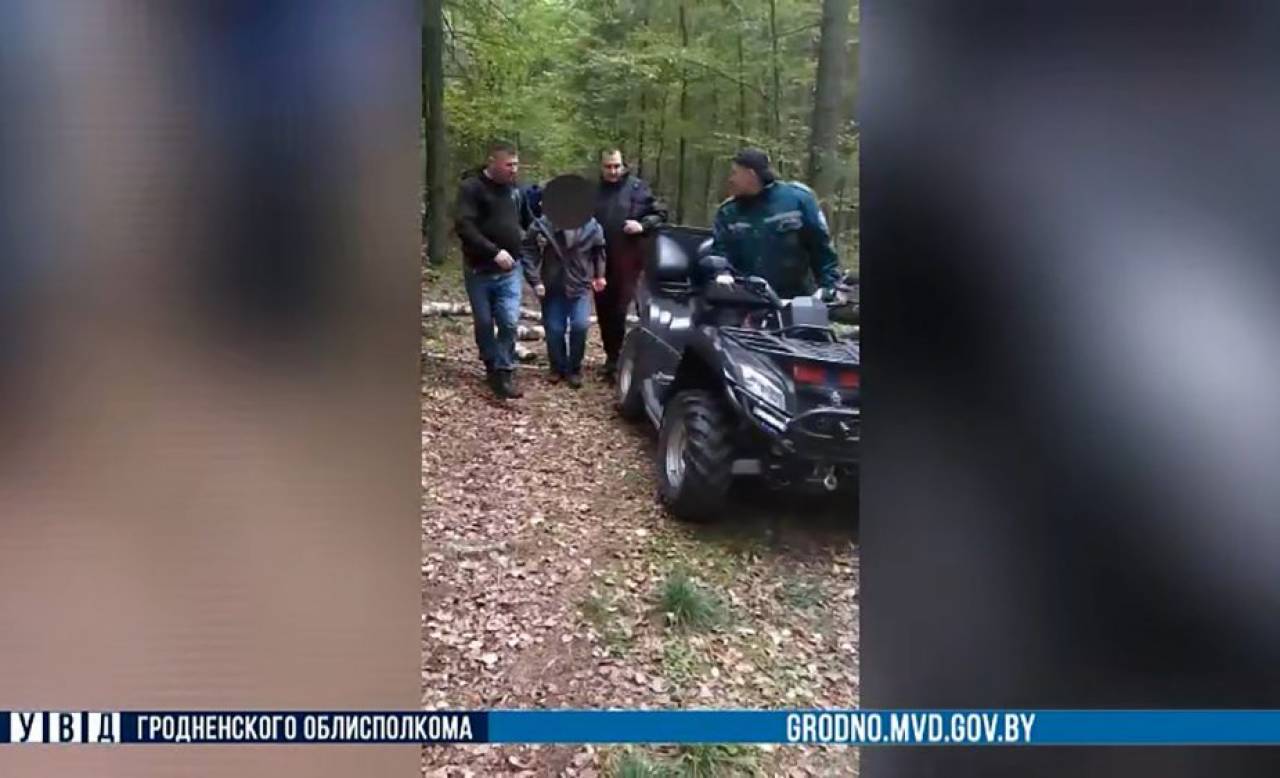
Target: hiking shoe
[
  {"x": 575, "y": 380},
  {"x": 554, "y": 377}
]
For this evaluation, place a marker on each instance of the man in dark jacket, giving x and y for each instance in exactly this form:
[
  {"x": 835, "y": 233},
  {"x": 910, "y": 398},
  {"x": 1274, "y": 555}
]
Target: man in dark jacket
[
  {"x": 491, "y": 223},
  {"x": 774, "y": 229},
  {"x": 628, "y": 211}
]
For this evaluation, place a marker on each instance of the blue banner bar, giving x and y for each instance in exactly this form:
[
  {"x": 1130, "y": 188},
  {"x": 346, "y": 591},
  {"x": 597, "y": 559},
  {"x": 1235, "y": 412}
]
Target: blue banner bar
[
  {"x": 899, "y": 727},
  {"x": 636, "y": 726},
  {"x": 1158, "y": 727},
  {"x": 849, "y": 727}
]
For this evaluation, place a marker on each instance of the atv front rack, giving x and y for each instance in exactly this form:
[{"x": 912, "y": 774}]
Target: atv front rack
[{"x": 775, "y": 343}]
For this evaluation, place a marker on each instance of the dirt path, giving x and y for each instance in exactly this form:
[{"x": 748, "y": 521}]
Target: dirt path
[{"x": 551, "y": 578}]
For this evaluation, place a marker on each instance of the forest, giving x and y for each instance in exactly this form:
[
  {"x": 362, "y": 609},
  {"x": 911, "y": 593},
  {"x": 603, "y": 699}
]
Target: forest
[
  {"x": 679, "y": 85},
  {"x": 553, "y": 577}
]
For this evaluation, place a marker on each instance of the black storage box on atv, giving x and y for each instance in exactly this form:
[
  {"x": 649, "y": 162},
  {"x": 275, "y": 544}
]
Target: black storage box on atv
[{"x": 736, "y": 381}]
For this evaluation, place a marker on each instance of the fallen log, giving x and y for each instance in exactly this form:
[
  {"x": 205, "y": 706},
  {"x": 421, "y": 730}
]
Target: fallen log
[
  {"x": 445, "y": 309},
  {"x": 535, "y": 332},
  {"x": 463, "y": 309},
  {"x": 523, "y": 355}
]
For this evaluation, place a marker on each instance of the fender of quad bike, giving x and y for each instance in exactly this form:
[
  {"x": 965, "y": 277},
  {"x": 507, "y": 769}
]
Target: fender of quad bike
[{"x": 701, "y": 366}]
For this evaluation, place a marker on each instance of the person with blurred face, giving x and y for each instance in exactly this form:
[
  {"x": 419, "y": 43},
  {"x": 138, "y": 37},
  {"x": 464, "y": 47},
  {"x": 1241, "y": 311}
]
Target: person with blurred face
[
  {"x": 774, "y": 229},
  {"x": 491, "y": 223},
  {"x": 628, "y": 211},
  {"x": 564, "y": 262}
]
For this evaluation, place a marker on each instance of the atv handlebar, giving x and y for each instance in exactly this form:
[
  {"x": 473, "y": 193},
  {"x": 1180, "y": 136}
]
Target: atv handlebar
[
  {"x": 718, "y": 268},
  {"x": 764, "y": 289}
]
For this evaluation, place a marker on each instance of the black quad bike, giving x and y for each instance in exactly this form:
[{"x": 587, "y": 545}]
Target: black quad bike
[{"x": 737, "y": 381}]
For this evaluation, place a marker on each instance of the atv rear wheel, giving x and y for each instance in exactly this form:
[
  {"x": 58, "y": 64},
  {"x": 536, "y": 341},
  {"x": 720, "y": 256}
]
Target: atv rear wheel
[
  {"x": 630, "y": 402},
  {"x": 695, "y": 458}
]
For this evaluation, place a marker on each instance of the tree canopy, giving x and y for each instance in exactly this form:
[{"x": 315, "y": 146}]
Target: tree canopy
[{"x": 679, "y": 85}]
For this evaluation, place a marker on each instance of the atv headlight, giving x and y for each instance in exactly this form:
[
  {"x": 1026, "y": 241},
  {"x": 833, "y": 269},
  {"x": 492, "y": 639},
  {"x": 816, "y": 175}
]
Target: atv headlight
[{"x": 764, "y": 386}]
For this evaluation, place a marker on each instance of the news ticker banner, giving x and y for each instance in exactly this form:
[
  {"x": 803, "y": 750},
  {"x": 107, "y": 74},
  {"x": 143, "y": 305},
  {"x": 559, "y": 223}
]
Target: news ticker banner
[{"x": 849, "y": 727}]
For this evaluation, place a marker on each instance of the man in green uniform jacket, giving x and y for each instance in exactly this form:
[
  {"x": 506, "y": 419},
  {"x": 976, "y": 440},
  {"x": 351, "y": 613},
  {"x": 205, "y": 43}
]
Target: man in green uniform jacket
[{"x": 774, "y": 229}]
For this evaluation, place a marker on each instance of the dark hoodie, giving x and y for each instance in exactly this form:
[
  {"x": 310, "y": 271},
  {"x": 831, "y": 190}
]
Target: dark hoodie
[{"x": 490, "y": 217}]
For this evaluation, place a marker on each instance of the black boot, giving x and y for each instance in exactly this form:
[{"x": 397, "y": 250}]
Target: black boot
[{"x": 507, "y": 385}]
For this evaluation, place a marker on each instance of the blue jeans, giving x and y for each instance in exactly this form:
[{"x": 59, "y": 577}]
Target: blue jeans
[
  {"x": 495, "y": 300},
  {"x": 566, "y": 320}
]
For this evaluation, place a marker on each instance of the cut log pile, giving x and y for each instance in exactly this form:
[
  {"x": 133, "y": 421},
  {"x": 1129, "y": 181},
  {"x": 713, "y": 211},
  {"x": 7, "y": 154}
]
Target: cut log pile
[
  {"x": 446, "y": 309},
  {"x": 528, "y": 333}
]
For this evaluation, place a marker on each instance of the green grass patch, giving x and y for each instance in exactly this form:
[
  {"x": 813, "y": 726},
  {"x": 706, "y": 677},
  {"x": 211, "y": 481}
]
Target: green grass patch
[
  {"x": 688, "y": 605},
  {"x": 707, "y": 761},
  {"x": 635, "y": 764},
  {"x": 701, "y": 761}
]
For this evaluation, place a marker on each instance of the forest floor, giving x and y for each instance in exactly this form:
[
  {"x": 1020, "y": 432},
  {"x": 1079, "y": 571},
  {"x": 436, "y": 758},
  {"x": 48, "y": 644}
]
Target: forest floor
[{"x": 552, "y": 578}]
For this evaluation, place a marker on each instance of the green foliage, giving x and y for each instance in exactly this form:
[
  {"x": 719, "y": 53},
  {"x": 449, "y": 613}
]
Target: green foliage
[
  {"x": 634, "y": 764},
  {"x": 566, "y": 77},
  {"x": 700, "y": 761},
  {"x": 710, "y": 761},
  {"x": 688, "y": 605}
]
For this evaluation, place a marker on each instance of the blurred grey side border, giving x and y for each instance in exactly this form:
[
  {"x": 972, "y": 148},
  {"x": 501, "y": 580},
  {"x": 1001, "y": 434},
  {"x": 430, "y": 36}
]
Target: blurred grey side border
[
  {"x": 1070, "y": 492},
  {"x": 209, "y": 422}
]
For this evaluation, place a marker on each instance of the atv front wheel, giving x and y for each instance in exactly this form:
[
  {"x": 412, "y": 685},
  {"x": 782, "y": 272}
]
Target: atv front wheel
[
  {"x": 630, "y": 403},
  {"x": 695, "y": 458}
]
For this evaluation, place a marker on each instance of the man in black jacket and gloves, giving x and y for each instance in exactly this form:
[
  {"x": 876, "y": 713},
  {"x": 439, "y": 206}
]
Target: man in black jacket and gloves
[
  {"x": 491, "y": 221},
  {"x": 628, "y": 211}
]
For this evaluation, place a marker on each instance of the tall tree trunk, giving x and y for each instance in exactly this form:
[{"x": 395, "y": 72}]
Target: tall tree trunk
[
  {"x": 708, "y": 198},
  {"x": 644, "y": 102},
  {"x": 764, "y": 120},
  {"x": 777, "y": 78},
  {"x": 437, "y": 161},
  {"x": 640, "y": 150},
  {"x": 684, "y": 116},
  {"x": 828, "y": 100},
  {"x": 742, "y": 88},
  {"x": 662, "y": 139}
]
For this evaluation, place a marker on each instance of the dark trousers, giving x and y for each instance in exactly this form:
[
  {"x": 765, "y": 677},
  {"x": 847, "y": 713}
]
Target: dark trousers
[{"x": 625, "y": 262}]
